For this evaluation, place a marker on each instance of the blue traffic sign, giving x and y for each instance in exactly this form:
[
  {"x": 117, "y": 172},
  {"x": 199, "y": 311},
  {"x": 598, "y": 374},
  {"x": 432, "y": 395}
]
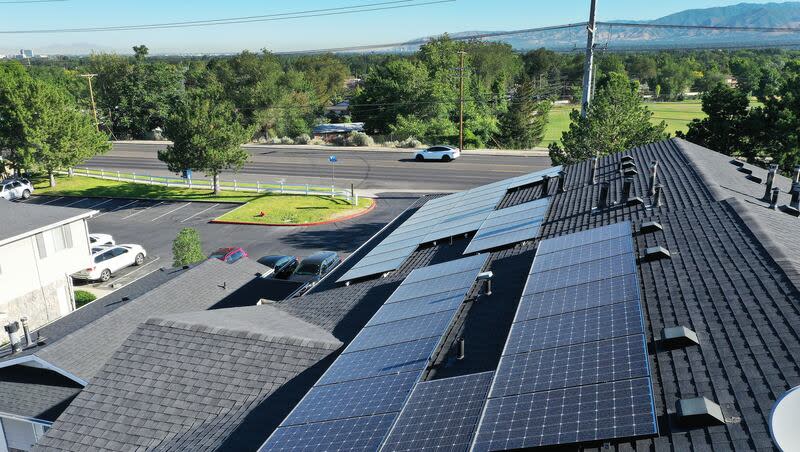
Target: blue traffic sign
[{"x": 332, "y": 159}]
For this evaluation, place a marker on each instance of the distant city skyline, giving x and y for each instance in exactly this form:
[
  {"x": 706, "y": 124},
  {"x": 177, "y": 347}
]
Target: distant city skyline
[{"x": 362, "y": 28}]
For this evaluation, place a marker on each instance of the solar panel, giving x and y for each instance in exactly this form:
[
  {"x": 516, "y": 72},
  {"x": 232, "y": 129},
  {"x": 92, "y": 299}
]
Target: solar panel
[
  {"x": 620, "y": 319},
  {"x": 387, "y": 254},
  {"x": 365, "y": 397},
  {"x": 573, "y": 365},
  {"x": 495, "y": 241},
  {"x": 582, "y": 296},
  {"x": 440, "y": 415},
  {"x": 586, "y": 413},
  {"x": 584, "y": 237},
  {"x": 581, "y": 273},
  {"x": 510, "y": 225},
  {"x": 454, "y": 282},
  {"x": 392, "y": 359},
  {"x": 402, "y": 331},
  {"x": 581, "y": 254},
  {"x": 369, "y": 270},
  {"x": 427, "y": 304},
  {"x": 531, "y": 178},
  {"x": 447, "y": 268},
  {"x": 343, "y": 435}
]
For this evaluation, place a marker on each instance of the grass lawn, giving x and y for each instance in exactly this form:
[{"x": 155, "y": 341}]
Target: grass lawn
[{"x": 287, "y": 209}]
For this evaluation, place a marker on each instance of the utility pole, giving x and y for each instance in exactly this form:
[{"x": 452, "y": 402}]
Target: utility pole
[
  {"x": 588, "y": 68},
  {"x": 89, "y": 77},
  {"x": 461, "y": 103}
]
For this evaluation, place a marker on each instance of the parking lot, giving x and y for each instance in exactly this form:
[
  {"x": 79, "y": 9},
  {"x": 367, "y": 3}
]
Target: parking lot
[{"x": 154, "y": 224}]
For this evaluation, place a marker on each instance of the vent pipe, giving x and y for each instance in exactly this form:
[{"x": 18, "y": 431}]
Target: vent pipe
[
  {"x": 626, "y": 189},
  {"x": 12, "y": 329},
  {"x": 653, "y": 177},
  {"x": 797, "y": 173},
  {"x": 460, "y": 348},
  {"x": 773, "y": 204},
  {"x": 562, "y": 176},
  {"x": 487, "y": 277},
  {"x": 602, "y": 201},
  {"x": 545, "y": 185},
  {"x": 795, "y": 202},
  {"x": 773, "y": 168},
  {"x": 657, "y": 195},
  {"x": 27, "y": 331},
  {"x": 593, "y": 179}
]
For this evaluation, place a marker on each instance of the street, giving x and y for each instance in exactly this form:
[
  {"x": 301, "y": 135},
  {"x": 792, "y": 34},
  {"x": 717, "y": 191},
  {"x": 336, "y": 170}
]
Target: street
[{"x": 369, "y": 171}]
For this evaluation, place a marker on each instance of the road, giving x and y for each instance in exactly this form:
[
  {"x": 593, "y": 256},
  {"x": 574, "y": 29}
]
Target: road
[{"x": 368, "y": 170}]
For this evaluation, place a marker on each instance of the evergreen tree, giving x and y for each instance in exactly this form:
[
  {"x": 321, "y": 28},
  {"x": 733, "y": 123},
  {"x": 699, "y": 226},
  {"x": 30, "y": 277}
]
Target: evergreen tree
[
  {"x": 523, "y": 125},
  {"x": 187, "y": 248}
]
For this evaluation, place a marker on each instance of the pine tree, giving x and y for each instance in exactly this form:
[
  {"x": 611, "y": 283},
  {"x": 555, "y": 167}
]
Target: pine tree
[{"x": 523, "y": 125}]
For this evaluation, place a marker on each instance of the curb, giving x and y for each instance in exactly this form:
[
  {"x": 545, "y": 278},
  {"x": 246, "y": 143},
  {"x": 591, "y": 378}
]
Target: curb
[
  {"x": 316, "y": 223},
  {"x": 238, "y": 203}
]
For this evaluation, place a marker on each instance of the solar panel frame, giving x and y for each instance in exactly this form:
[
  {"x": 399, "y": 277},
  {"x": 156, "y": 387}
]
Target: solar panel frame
[
  {"x": 406, "y": 330},
  {"x": 380, "y": 267},
  {"x": 510, "y": 225},
  {"x": 415, "y": 307},
  {"x": 455, "y": 282},
  {"x": 494, "y": 241},
  {"x": 581, "y": 238},
  {"x": 521, "y": 181},
  {"x": 605, "y": 268},
  {"x": 460, "y": 265},
  {"x": 582, "y": 254},
  {"x": 342, "y": 435}
]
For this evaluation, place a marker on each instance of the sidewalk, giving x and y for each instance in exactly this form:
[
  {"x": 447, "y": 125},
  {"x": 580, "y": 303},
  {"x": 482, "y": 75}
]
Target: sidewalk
[{"x": 538, "y": 152}]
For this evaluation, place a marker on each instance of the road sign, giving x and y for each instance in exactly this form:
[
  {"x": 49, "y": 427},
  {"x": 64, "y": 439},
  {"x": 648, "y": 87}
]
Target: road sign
[{"x": 332, "y": 159}]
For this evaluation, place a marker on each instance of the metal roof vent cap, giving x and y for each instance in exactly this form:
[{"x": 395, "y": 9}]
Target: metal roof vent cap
[
  {"x": 486, "y": 276},
  {"x": 650, "y": 226},
  {"x": 783, "y": 420},
  {"x": 626, "y": 158},
  {"x": 630, "y": 172},
  {"x": 655, "y": 253},
  {"x": 14, "y": 337},
  {"x": 738, "y": 163},
  {"x": 793, "y": 208},
  {"x": 678, "y": 337},
  {"x": 699, "y": 412}
]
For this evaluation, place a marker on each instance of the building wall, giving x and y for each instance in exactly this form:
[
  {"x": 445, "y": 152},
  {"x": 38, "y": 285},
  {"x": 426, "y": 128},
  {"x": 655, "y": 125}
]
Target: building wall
[
  {"x": 19, "y": 435},
  {"x": 36, "y": 284}
]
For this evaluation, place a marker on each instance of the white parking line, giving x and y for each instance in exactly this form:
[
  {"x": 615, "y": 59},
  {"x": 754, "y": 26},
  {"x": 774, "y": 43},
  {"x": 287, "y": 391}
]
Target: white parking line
[
  {"x": 118, "y": 208},
  {"x": 198, "y": 213},
  {"x": 146, "y": 208},
  {"x": 100, "y": 203},
  {"x": 53, "y": 200},
  {"x": 173, "y": 210},
  {"x": 75, "y": 202}
]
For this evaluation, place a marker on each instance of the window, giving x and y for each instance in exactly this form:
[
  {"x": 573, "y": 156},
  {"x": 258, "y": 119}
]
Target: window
[
  {"x": 62, "y": 238},
  {"x": 16, "y": 185},
  {"x": 235, "y": 256},
  {"x": 118, "y": 251},
  {"x": 40, "y": 245},
  {"x": 104, "y": 257}
]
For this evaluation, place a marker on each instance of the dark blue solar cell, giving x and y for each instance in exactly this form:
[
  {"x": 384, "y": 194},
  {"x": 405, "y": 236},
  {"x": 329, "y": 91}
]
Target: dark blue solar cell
[
  {"x": 415, "y": 307},
  {"x": 574, "y": 365},
  {"x": 596, "y": 293},
  {"x": 440, "y": 415},
  {"x": 495, "y": 241},
  {"x": 581, "y": 273},
  {"x": 563, "y": 416},
  {"x": 620, "y": 319},
  {"x": 473, "y": 263},
  {"x": 376, "y": 395},
  {"x": 454, "y": 283},
  {"x": 391, "y": 359},
  {"x": 344, "y": 435},
  {"x": 581, "y": 254},
  {"x": 402, "y": 331},
  {"x": 584, "y": 237}
]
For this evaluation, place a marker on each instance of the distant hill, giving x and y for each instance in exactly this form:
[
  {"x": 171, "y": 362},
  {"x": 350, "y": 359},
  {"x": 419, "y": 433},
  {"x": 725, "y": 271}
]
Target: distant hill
[{"x": 775, "y": 15}]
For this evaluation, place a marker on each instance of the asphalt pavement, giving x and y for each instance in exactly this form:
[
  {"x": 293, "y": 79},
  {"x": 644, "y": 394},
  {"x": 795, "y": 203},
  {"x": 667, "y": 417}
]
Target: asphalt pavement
[{"x": 370, "y": 172}]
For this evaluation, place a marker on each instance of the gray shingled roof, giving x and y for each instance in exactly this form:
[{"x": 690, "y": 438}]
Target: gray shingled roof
[
  {"x": 35, "y": 393},
  {"x": 20, "y": 219},
  {"x": 190, "y": 382},
  {"x": 85, "y": 351}
]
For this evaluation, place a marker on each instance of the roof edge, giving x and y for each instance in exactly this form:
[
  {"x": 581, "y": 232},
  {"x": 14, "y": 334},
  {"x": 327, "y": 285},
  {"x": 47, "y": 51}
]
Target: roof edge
[
  {"x": 83, "y": 216},
  {"x": 43, "y": 364}
]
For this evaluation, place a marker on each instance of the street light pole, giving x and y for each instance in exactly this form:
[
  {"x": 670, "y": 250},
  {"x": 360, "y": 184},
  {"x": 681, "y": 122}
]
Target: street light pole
[
  {"x": 588, "y": 68},
  {"x": 461, "y": 103}
]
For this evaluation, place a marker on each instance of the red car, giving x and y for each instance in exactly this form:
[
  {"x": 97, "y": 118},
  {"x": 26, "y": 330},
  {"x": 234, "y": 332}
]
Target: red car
[{"x": 228, "y": 255}]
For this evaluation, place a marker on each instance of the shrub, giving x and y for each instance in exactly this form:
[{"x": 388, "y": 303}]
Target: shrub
[
  {"x": 302, "y": 139},
  {"x": 186, "y": 248},
  {"x": 287, "y": 140},
  {"x": 317, "y": 142},
  {"x": 360, "y": 139},
  {"x": 410, "y": 142},
  {"x": 83, "y": 297},
  {"x": 273, "y": 140}
]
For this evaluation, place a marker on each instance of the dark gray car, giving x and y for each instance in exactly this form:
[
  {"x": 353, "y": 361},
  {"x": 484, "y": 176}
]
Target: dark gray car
[{"x": 315, "y": 267}]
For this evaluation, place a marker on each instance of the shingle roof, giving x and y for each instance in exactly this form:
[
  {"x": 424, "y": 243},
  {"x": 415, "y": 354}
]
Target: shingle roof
[
  {"x": 35, "y": 393},
  {"x": 20, "y": 219},
  {"x": 190, "y": 381},
  {"x": 211, "y": 284}
]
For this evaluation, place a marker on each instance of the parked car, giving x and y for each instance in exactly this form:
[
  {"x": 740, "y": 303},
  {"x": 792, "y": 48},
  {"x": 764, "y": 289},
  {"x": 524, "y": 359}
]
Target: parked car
[
  {"x": 282, "y": 266},
  {"x": 443, "y": 153},
  {"x": 314, "y": 268},
  {"x": 110, "y": 259},
  {"x": 101, "y": 240},
  {"x": 16, "y": 189},
  {"x": 228, "y": 255}
]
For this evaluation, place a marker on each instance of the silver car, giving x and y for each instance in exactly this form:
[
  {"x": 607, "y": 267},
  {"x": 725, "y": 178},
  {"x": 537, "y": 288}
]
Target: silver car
[{"x": 16, "y": 189}]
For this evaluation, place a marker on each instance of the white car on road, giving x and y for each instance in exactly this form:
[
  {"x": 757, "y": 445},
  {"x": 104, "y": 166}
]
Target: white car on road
[
  {"x": 101, "y": 240},
  {"x": 16, "y": 189},
  {"x": 110, "y": 259},
  {"x": 443, "y": 153}
]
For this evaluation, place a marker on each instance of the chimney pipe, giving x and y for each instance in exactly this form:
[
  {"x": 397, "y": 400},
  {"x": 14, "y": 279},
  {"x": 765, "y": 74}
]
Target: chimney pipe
[
  {"x": 653, "y": 177},
  {"x": 545, "y": 185},
  {"x": 602, "y": 202},
  {"x": 486, "y": 276},
  {"x": 593, "y": 180},
  {"x": 562, "y": 176},
  {"x": 27, "y": 331},
  {"x": 795, "y": 202},
  {"x": 12, "y": 329},
  {"x": 773, "y": 168},
  {"x": 774, "y": 202},
  {"x": 657, "y": 195},
  {"x": 626, "y": 189},
  {"x": 460, "y": 348},
  {"x": 797, "y": 173}
]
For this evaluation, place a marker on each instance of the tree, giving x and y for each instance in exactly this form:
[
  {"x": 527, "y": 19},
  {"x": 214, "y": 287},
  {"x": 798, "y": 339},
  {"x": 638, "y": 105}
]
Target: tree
[
  {"x": 779, "y": 120},
  {"x": 725, "y": 127},
  {"x": 523, "y": 125},
  {"x": 187, "y": 248},
  {"x": 617, "y": 120},
  {"x": 747, "y": 73},
  {"x": 140, "y": 52},
  {"x": 207, "y": 136}
]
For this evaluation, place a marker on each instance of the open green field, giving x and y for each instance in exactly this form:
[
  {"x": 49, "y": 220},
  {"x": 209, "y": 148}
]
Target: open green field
[
  {"x": 295, "y": 209},
  {"x": 676, "y": 114}
]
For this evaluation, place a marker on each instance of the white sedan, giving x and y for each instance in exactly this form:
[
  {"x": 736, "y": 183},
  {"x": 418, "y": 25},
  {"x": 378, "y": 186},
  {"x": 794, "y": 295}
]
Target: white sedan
[
  {"x": 443, "y": 153},
  {"x": 16, "y": 189},
  {"x": 110, "y": 259},
  {"x": 101, "y": 240}
]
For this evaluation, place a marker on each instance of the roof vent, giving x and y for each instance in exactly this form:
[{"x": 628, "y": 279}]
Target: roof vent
[
  {"x": 797, "y": 173},
  {"x": 773, "y": 168},
  {"x": 27, "y": 331},
  {"x": 679, "y": 336},
  {"x": 794, "y": 204},
  {"x": 486, "y": 276},
  {"x": 562, "y": 180},
  {"x": 651, "y": 189},
  {"x": 626, "y": 158},
  {"x": 699, "y": 412},
  {"x": 545, "y": 185},
  {"x": 593, "y": 178},
  {"x": 745, "y": 170},
  {"x": 14, "y": 338},
  {"x": 630, "y": 172},
  {"x": 738, "y": 163},
  {"x": 773, "y": 203},
  {"x": 602, "y": 200},
  {"x": 655, "y": 253},
  {"x": 650, "y": 226},
  {"x": 752, "y": 178}
]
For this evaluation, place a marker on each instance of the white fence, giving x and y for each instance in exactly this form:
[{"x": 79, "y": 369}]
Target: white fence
[{"x": 257, "y": 187}]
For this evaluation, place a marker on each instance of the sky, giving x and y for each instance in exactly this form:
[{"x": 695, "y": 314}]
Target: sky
[{"x": 363, "y": 28}]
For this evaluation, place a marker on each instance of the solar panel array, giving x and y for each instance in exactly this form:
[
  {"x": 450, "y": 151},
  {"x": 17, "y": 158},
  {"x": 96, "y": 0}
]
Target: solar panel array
[
  {"x": 575, "y": 364},
  {"x": 510, "y": 225},
  {"x": 439, "y": 218},
  {"x": 353, "y": 405}
]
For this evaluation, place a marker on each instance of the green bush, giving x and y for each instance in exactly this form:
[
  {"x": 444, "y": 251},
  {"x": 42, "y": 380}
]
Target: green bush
[
  {"x": 354, "y": 139},
  {"x": 410, "y": 142},
  {"x": 83, "y": 297},
  {"x": 286, "y": 140},
  {"x": 186, "y": 248},
  {"x": 302, "y": 139}
]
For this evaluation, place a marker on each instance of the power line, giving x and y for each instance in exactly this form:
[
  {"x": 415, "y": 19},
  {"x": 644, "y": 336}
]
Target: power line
[
  {"x": 382, "y": 6},
  {"x": 701, "y": 27},
  {"x": 9, "y": 2}
]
